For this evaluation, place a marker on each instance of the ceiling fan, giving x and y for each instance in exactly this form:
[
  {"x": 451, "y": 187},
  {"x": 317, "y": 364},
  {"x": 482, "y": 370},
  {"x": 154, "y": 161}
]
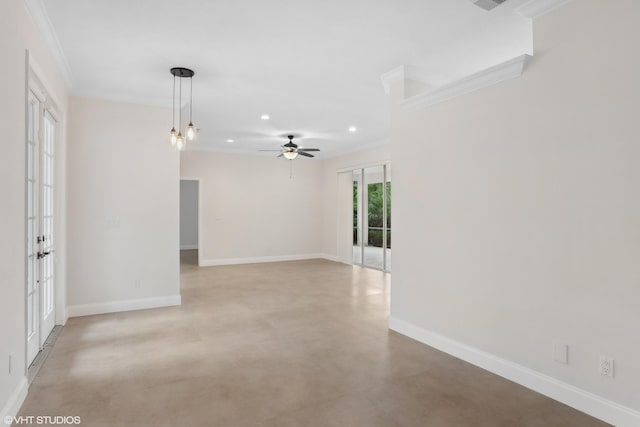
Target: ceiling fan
[{"x": 290, "y": 150}]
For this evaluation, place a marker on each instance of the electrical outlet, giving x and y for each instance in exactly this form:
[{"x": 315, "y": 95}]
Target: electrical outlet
[
  {"x": 561, "y": 353},
  {"x": 606, "y": 366}
]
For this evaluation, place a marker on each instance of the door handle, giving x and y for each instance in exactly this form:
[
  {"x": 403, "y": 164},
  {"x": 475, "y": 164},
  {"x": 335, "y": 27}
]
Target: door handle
[{"x": 43, "y": 254}]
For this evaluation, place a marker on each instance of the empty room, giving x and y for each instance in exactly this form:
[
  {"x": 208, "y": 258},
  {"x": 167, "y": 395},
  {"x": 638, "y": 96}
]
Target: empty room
[{"x": 322, "y": 213}]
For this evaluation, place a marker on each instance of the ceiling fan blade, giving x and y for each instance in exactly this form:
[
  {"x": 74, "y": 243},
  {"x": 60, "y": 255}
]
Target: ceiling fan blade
[
  {"x": 302, "y": 153},
  {"x": 308, "y": 149},
  {"x": 280, "y": 155}
]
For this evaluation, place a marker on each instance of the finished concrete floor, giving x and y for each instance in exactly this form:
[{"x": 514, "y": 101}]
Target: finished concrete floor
[{"x": 301, "y": 343}]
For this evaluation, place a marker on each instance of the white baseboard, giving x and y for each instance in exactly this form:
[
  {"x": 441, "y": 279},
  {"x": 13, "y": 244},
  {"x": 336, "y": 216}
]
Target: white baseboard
[
  {"x": 128, "y": 305},
  {"x": 188, "y": 247},
  {"x": 12, "y": 407},
  {"x": 328, "y": 257},
  {"x": 258, "y": 260},
  {"x": 594, "y": 405}
]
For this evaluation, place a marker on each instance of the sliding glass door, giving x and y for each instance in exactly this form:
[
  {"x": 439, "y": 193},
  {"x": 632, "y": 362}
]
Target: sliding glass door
[{"x": 372, "y": 217}]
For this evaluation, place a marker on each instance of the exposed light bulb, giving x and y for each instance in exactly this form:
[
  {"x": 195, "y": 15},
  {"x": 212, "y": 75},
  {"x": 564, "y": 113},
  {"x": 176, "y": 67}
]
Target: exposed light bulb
[
  {"x": 191, "y": 132},
  {"x": 353, "y": 129},
  {"x": 180, "y": 143},
  {"x": 290, "y": 154},
  {"x": 265, "y": 117},
  {"x": 173, "y": 136}
]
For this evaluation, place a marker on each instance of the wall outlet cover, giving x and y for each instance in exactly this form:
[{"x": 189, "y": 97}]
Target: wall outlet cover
[
  {"x": 561, "y": 353},
  {"x": 606, "y": 366}
]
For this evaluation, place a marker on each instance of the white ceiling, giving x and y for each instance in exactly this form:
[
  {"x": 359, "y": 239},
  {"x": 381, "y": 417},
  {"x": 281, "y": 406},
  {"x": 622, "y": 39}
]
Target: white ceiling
[{"x": 313, "y": 66}]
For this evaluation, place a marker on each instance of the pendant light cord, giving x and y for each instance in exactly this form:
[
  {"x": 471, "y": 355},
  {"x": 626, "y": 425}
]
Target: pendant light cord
[
  {"x": 180, "y": 106},
  {"x": 173, "y": 105},
  {"x": 190, "y": 99}
]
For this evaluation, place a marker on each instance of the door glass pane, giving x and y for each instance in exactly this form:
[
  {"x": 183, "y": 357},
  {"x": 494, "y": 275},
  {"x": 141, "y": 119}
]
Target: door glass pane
[
  {"x": 373, "y": 216},
  {"x": 30, "y": 117},
  {"x": 31, "y": 235},
  {"x": 357, "y": 232},
  {"x": 31, "y": 281},
  {"x": 30, "y": 320},
  {"x": 47, "y": 265},
  {"x": 30, "y": 160}
]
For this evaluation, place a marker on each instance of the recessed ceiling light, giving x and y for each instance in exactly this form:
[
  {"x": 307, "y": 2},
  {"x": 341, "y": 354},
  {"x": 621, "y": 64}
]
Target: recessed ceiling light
[
  {"x": 230, "y": 141},
  {"x": 353, "y": 129},
  {"x": 265, "y": 117}
]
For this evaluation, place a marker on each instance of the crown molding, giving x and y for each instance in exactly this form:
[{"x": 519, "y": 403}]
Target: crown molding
[
  {"x": 535, "y": 8},
  {"x": 38, "y": 13},
  {"x": 393, "y": 76},
  {"x": 498, "y": 73},
  {"x": 401, "y": 73}
]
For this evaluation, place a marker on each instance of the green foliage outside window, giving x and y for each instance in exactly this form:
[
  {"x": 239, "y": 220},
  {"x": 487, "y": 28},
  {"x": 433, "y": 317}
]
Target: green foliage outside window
[{"x": 376, "y": 215}]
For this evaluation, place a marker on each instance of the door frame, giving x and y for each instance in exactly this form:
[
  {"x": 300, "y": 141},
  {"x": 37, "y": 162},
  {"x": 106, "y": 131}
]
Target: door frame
[
  {"x": 200, "y": 210},
  {"x": 362, "y": 166},
  {"x": 35, "y": 81}
]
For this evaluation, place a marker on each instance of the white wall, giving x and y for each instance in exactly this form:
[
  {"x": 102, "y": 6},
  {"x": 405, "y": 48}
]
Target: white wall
[
  {"x": 251, "y": 209},
  {"x": 17, "y": 34},
  {"x": 188, "y": 214},
  {"x": 123, "y": 207},
  {"x": 516, "y": 210}
]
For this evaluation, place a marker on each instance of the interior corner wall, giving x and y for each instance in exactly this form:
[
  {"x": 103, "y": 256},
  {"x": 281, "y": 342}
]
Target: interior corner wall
[
  {"x": 123, "y": 207},
  {"x": 252, "y": 210},
  {"x": 331, "y": 197},
  {"x": 516, "y": 210},
  {"x": 17, "y": 35}
]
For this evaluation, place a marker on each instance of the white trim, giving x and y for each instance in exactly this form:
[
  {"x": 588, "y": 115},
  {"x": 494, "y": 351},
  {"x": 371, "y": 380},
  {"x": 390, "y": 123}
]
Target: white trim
[
  {"x": 330, "y": 257},
  {"x": 188, "y": 247},
  {"x": 498, "y": 73},
  {"x": 358, "y": 148},
  {"x": 321, "y": 156},
  {"x": 364, "y": 166},
  {"x": 128, "y": 305},
  {"x": 402, "y": 73},
  {"x": 535, "y": 8},
  {"x": 38, "y": 13},
  {"x": 575, "y": 397},
  {"x": 37, "y": 80},
  {"x": 392, "y": 76},
  {"x": 12, "y": 407},
  {"x": 259, "y": 260}
]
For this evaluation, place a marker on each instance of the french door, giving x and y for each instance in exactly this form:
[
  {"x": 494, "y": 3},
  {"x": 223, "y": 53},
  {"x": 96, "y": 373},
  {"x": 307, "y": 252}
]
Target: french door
[{"x": 40, "y": 256}]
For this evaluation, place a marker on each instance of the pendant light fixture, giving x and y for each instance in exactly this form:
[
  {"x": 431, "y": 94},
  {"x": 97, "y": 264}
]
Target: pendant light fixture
[{"x": 176, "y": 138}]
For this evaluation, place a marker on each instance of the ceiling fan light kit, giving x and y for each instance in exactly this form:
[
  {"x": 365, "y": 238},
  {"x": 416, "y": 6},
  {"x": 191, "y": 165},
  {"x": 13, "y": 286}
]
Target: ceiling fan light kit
[
  {"x": 290, "y": 155},
  {"x": 176, "y": 138},
  {"x": 290, "y": 150}
]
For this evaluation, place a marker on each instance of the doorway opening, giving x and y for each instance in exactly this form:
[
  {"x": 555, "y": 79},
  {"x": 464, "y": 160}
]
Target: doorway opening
[
  {"x": 364, "y": 216},
  {"x": 189, "y": 221},
  {"x": 371, "y": 216}
]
